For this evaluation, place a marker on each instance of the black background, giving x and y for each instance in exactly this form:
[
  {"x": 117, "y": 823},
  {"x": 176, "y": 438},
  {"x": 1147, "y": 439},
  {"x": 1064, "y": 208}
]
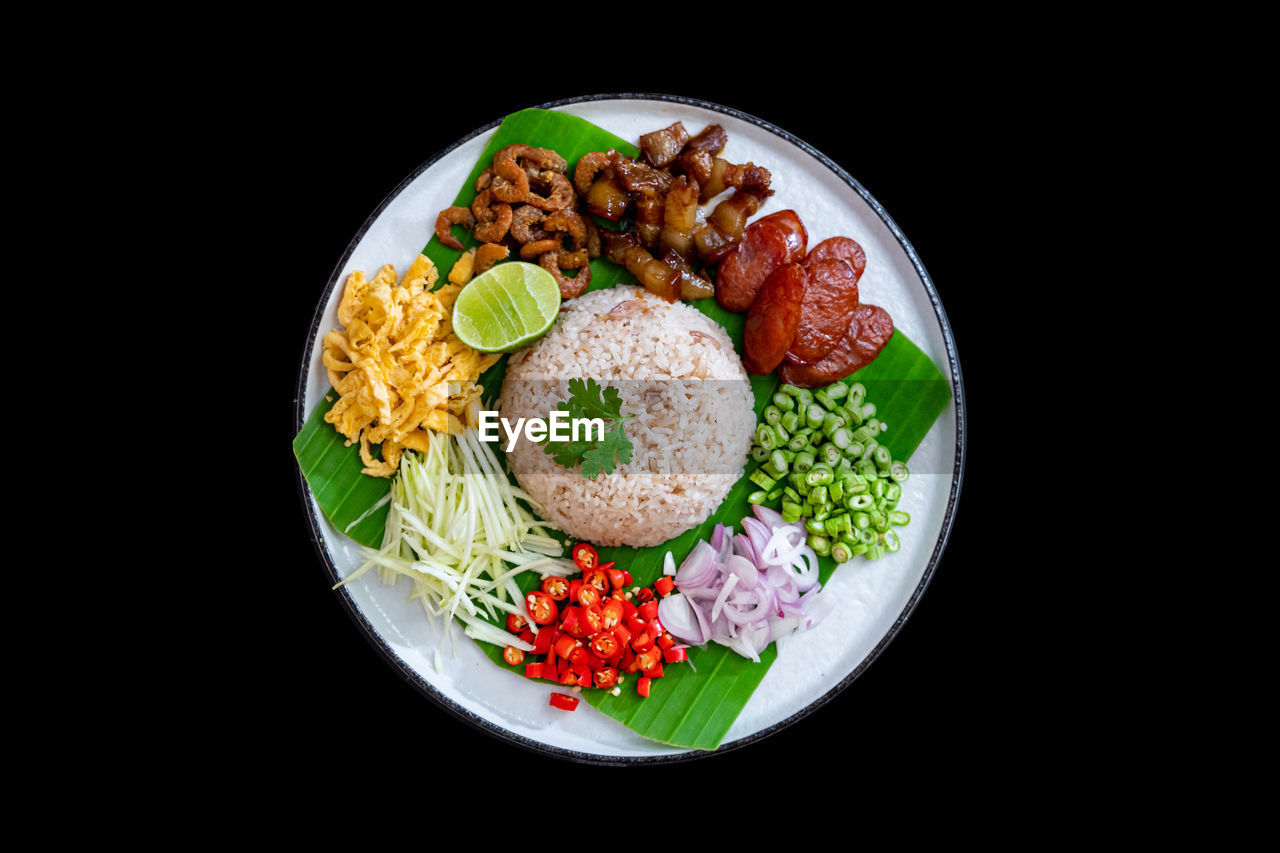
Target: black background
[{"x": 955, "y": 689}]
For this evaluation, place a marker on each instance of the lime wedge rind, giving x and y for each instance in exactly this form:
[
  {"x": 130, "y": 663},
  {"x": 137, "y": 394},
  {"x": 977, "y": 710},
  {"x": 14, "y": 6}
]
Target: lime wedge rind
[
  {"x": 506, "y": 307},
  {"x": 512, "y": 328}
]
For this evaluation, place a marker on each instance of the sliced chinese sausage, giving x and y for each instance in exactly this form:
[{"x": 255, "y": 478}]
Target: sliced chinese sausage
[
  {"x": 797, "y": 235},
  {"x": 866, "y": 336},
  {"x": 742, "y": 272},
  {"x": 766, "y": 244},
  {"x": 829, "y": 303},
  {"x": 773, "y": 318},
  {"x": 840, "y": 247}
]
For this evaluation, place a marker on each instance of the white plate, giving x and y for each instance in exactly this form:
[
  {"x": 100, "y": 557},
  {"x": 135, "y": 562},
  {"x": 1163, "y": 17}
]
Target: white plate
[{"x": 872, "y": 599}]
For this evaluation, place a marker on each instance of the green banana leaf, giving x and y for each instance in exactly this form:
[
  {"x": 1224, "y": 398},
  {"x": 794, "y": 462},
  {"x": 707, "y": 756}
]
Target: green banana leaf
[{"x": 693, "y": 706}]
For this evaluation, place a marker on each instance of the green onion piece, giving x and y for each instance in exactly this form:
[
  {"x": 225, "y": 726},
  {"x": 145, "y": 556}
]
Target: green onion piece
[
  {"x": 803, "y": 461},
  {"x": 790, "y": 512},
  {"x": 823, "y": 399},
  {"x": 854, "y": 450},
  {"x": 857, "y": 393},
  {"x": 831, "y": 423},
  {"x": 891, "y": 541},
  {"x": 757, "y": 497},
  {"x": 804, "y": 399},
  {"x": 779, "y": 461},
  {"x": 774, "y": 494},
  {"x": 815, "y": 527},
  {"x": 790, "y": 419},
  {"x": 842, "y": 438},
  {"x": 841, "y": 553},
  {"x": 893, "y": 493},
  {"x": 817, "y": 496},
  {"x": 813, "y": 416},
  {"x": 765, "y": 436},
  {"x": 868, "y": 410},
  {"x": 862, "y": 435},
  {"x": 798, "y": 442},
  {"x": 768, "y": 468},
  {"x": 784, "y": 402},
  {"x": 772, "y": 414},
  {"x": 878, "y": 488},
  {"x": 837, "y": 390},
  {"x": 866, "y": 535},
  {"x": 899, "y": 518},
  {"x": 831, "y": 526},
  {"x": 861, "y": 520},
  {"x": 792, "y": 390},
  {"x": 821, "y": 545},
  {"x": 759, "y": 454},
  {"x": 762, "y": 479},
  {"x": 856, "y": 502},
  {"x": 875, "y": 552},
  {"x": 898, "y": 472},
  {"x": 859, "y": 548}
]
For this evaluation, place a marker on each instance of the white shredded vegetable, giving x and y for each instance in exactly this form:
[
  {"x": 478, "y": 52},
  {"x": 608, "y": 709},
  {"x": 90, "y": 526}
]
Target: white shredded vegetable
[{"x": 460, "y": 532}]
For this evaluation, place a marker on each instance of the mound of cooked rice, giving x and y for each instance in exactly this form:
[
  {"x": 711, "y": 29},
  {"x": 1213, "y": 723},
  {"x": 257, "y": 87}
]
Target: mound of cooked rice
[{"x": 692, "y": 422}]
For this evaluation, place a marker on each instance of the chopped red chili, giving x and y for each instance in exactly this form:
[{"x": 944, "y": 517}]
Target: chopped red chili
[
  {"x": 563, "y": 701},
  {"x": 542, "y": 609},
  {"x": 649, "y": 611},
  {"x": 599, "y": 630},
  {"x": 556, "y": 587},
  {"x": 585, "y": 556}
]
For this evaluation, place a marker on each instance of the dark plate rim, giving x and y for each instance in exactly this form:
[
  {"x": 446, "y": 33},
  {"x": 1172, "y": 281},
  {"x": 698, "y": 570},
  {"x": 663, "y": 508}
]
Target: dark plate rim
[{"x": 440, "y": 699}]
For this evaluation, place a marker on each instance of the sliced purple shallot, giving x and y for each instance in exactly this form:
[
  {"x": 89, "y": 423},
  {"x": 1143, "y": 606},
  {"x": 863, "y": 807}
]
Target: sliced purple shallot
[{"x": 748, "y": 589}]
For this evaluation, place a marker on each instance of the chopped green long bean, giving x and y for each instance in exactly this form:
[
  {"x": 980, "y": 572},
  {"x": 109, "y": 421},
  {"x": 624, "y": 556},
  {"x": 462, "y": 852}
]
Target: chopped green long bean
[{"x": 819, "y": 457}]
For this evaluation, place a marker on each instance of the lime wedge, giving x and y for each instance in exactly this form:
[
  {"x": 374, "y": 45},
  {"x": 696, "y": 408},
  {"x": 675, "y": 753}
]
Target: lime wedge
[{"x": 506, "y": 307}]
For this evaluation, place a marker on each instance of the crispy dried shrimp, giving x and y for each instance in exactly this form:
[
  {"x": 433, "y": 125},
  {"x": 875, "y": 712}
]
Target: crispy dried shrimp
[{"x": 530, "y": 204}]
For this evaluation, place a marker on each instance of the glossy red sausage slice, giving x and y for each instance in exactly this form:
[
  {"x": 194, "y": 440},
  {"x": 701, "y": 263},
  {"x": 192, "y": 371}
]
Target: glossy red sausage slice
[
  {"x": 797, "y": 235},
  {"x": 829, "y": 302},
  {"x": 773, "y": 318},
  {"x": 840, "y": 247},
  {"x": 742, "y": 272},
  {"x": 766, "y": 244},
  {"x": 866, "y": 336}
]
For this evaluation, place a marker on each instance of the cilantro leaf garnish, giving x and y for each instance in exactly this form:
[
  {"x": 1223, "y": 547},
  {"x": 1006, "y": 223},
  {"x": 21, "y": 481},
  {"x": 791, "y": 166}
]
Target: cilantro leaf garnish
[{"x": 587, "y": 400}]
